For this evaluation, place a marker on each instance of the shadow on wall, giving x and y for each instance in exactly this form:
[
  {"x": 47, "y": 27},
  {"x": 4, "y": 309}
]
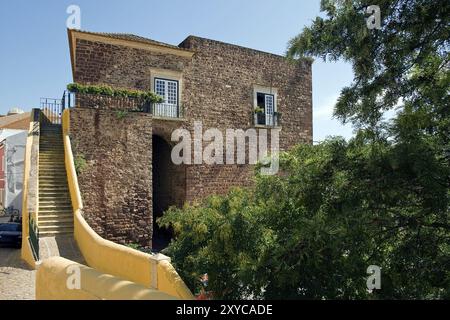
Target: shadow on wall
[{"x": 169, "y": 188}]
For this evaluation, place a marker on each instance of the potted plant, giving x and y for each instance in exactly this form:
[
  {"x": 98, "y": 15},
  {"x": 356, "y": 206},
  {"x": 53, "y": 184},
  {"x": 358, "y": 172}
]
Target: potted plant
[{"x": 260, "y": 117}]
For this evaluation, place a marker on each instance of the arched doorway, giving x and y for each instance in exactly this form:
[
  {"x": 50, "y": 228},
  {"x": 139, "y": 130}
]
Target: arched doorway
[{"x": 168, "y": 181}]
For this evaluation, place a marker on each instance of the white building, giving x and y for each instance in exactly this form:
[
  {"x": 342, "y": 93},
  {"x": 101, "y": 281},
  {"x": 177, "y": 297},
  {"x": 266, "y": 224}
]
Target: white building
[{"x": 12, "y": 155}]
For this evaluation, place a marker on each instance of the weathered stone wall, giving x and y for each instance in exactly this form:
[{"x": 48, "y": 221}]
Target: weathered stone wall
[
  {"x": 103, "y": 102},
  {"x": 116, "y": 183},
  {"x": 217, "y": 89},
  {"x": 120, "y": 66},
  {"x": 219, "y": 92}
]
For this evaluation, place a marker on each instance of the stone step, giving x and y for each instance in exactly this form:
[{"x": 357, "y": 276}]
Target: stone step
[
  {"x": 59, "y": 208},
  {"x": 51, "y": 126},
  {"x": 54, "y": 202},
  {"x": 61, "y": 178},
  {"x": 49, "y": 232},
  {"x": 51, "y": 170},
  {"x": 52, "y": 145},
  {"x": 55, "y": 166},
  {"x": 65, "y": 205},
  {"x": 51, "y": 177},
  {"x": 55, "y": 187},
  {"x": 53, "y": 174},
  {"x": 55, "y": 212},
  {"x": 54, "y": 152},
  {"x": 50, "y": 196},
  {"x": 52, "y": 162},
  {"x": 52, "y": 193},
  {"x": 47, "y": 191},
  {"x": 52, "y": 157},
  {"x": 58, "y": 222},
  {"x": 50, "y": 131},
  {"x": 54, "y": 227},
  {"x": 57, "y": 163},
  {"x": 54, "y": 182},
  {"x": 58, "y": 201},
  {"x": 55, "y": 216}
]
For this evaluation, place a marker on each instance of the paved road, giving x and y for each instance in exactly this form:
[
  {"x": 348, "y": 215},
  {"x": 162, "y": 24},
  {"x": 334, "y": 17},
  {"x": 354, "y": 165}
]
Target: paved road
[{"x": 16, "y": 278}]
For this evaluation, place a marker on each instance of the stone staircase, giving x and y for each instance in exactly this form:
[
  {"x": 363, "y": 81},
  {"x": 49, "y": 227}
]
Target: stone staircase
[{"x": 55, "y": 215}]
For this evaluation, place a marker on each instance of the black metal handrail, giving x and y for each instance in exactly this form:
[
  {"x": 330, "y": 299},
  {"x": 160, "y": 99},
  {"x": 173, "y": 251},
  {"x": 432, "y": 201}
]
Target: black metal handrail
[
  {"x": 68, "y": 100},
  {"x": 54, "y": 108},
  {"x": 33, "y": 237}
]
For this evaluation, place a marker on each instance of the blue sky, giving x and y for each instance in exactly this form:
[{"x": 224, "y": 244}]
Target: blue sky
[{"x": 35, "y": 61}]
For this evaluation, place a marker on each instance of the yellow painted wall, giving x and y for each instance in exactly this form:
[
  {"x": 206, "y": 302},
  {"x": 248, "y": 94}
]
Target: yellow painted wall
[
  {"x": 112, "y": 258},
  {"x": 26, "y": 252},
  {"x": 54, "y": 274}
]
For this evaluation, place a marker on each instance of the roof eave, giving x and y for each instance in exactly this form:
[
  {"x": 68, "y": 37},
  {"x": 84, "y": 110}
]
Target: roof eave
[{"x": 74, "y": 34}]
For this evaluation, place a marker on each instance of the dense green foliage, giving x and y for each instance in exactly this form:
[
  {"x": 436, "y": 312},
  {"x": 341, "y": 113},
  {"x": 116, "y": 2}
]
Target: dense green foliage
[
  {"x": 312, "y": 232},
  {"x": 381, "y": 198},
  {"x": 106, "y": 90}
]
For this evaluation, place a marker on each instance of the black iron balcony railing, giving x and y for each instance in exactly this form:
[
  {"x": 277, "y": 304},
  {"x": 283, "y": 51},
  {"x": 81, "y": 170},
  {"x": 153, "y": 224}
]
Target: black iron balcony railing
[
  {"x": 269, "y": 120},
  {"x": 53, "y": 108},
  {"x": 106, "y": 102}
]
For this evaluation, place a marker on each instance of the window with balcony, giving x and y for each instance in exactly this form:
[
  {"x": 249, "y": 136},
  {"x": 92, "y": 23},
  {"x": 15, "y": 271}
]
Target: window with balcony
[
  {"x": 169, "y": 91},
  {"x": 265, "y": 106}
]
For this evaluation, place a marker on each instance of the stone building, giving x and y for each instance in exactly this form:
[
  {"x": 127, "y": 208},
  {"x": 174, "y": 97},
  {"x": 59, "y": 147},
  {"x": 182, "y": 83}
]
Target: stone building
[{"x": 130, "y": 179}]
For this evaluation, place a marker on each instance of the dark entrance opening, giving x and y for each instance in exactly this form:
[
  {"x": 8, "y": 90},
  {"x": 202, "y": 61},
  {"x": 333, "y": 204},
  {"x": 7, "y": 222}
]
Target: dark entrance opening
[{"x": 168, "y": 189}]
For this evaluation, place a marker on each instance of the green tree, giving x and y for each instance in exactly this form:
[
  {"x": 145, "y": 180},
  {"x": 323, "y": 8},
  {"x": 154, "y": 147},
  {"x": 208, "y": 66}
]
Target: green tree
[{"x": 381, "y": 198}]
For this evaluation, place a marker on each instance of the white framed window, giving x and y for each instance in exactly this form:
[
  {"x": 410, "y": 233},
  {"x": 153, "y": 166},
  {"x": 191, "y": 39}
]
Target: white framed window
[
  {"x": 169, "y": 85},
  {"x": 168, "y": 89},
  {"x": 265, "y": 103}
]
